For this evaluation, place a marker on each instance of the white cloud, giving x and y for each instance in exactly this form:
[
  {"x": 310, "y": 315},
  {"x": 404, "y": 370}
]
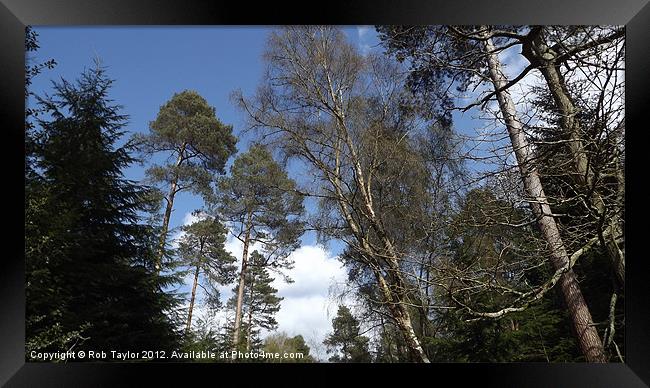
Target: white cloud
[
  {"x": 306, "y": 308},
  {"x": 362, "y": 31},
  {"x": 364, "y": 35},
  {"x": 188, "y": 218}
]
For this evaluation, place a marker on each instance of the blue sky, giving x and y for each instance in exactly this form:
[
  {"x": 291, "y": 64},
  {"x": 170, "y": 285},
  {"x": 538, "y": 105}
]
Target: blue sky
[{"x": 149, "y": 65}]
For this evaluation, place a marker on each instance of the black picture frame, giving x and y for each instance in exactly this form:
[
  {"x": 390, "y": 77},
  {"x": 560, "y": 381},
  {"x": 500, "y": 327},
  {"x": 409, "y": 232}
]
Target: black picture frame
[{"x": 16, "y": 14}]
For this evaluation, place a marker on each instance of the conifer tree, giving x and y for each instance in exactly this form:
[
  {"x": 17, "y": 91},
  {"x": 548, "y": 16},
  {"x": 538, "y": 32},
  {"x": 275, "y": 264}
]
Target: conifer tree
[
  {"x": 89, "y": 272},
  {"x": 197, "y": 144},
  {"x": 260, "y": 302},
  {"x": 202, "y": 250},
  {"x": 345, "y": 340},
  {"x": 260, "y": 201}
]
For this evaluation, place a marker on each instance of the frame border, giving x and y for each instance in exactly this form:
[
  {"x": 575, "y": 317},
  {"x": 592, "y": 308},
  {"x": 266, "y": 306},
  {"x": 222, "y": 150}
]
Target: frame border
[{"x": 16, "y": 14}]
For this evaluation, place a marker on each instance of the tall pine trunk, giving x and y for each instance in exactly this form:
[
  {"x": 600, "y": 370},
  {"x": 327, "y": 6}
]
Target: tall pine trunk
[
  {"x": 189, "y": 314},
  {"x": 242, "y": 281},
  {"x": 539, "y": 54},
  {"x": 196, "y": 282},
  {"x": 168, "y": 211},
  {"x": 250, "y": 316},
  {"x": 587, "y": 336}
]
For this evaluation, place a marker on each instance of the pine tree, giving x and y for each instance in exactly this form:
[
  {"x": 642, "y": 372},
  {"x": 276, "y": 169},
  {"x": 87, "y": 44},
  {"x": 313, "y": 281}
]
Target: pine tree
[
  {"x": 260, "y": 200},
  {"x": 188, "y": 131},
  {"x": 89, "y": 259},
  {"x": 259, "y": 305},
  {"x": 202, "y": 251},
  {"x": 442, "y": 56},
  {"x": 345, "y": 340}
]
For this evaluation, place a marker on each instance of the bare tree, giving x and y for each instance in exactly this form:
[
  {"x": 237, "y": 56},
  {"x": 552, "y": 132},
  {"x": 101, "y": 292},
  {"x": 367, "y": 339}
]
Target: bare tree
[{"x": 325, "y": 104}]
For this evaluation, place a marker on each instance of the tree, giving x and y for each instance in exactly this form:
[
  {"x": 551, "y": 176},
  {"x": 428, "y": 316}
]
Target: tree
[
  {"x": 294, "y": 347},
  {"x": 594, "y": 130},
  {"x": 202, "y": 249},
  {"x": 43, "y": 330},
  {"x": 204, "y": 337},
  {"x": 494, "y": 263},
  {"x": 462, "y": 56},
  {"x": 189, "y": 133},
  {"x": 325, "y": 104},
  {"x": 259, "y": 199},
  {"x": 89, "y": 268},
  {"x": 31, "y": 70},
  {"x": 261, "y": 302},
  {"x": 345, "y": 340}
]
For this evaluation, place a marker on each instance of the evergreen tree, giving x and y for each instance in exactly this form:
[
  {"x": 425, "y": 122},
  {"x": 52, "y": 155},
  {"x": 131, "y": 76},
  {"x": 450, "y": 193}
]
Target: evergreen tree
[
  {"x": 281, "y": 343},
  {"x": 260, "y": 200},
  {"x": 43, "y": 330},
  {"x": 489, "y": 250},
  {"x": 261, "y": 300},
  {"x": 89, "y": 259},
  {"x": 202, "y": 251},
  {"x": 202, "y": 338},
  {"x": 345, "y": 340},
  {"x": 390, "y": 346},
  {"x": 188, "y": 132},
  {"x": 31, "y": 70},
  {"x": 260, "y": 303}
]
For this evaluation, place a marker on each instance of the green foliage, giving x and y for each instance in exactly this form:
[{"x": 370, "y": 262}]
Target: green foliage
[
  {"x": 89, "y": 282},
  {"x": 261, "y": 299},
  {"x": 281, "y": 344},
  {"x": 187, "y": 125},
  {"x": 345, "y": 341},
  {"x": 203, "y": 246},
  {"x": 541, "y": 333},
  {"x": 390, "y": 346},
  {"x": 187, "y": 130},
  {"x": 492, "y": 251},
  {"x": 258, "y": 196},
  {"x": 202, "y": 338},
  {"x": 260, "y": 303}
]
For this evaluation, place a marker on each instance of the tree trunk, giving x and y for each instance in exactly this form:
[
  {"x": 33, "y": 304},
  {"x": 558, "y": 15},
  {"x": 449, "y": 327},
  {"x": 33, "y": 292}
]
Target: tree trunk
[
  {"x": 394, "y": 301},
  {"x": 250, "y": 317},
  {"x": 168, "y": 211},
  {"x": 189, "y": 315},
  {"x": 403, "y": 319},
  {"x": 588, "y": 339},
  {"x": 165, "y": 225},
  {"x": 539, "y": 54},
  {"x": 196, "y": 282},
  {"x": 242, "y": 281}
]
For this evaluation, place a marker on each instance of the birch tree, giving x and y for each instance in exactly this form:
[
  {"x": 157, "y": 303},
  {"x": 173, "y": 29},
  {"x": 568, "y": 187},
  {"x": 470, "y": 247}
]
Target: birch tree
[{"x": 325, "y": 104}]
